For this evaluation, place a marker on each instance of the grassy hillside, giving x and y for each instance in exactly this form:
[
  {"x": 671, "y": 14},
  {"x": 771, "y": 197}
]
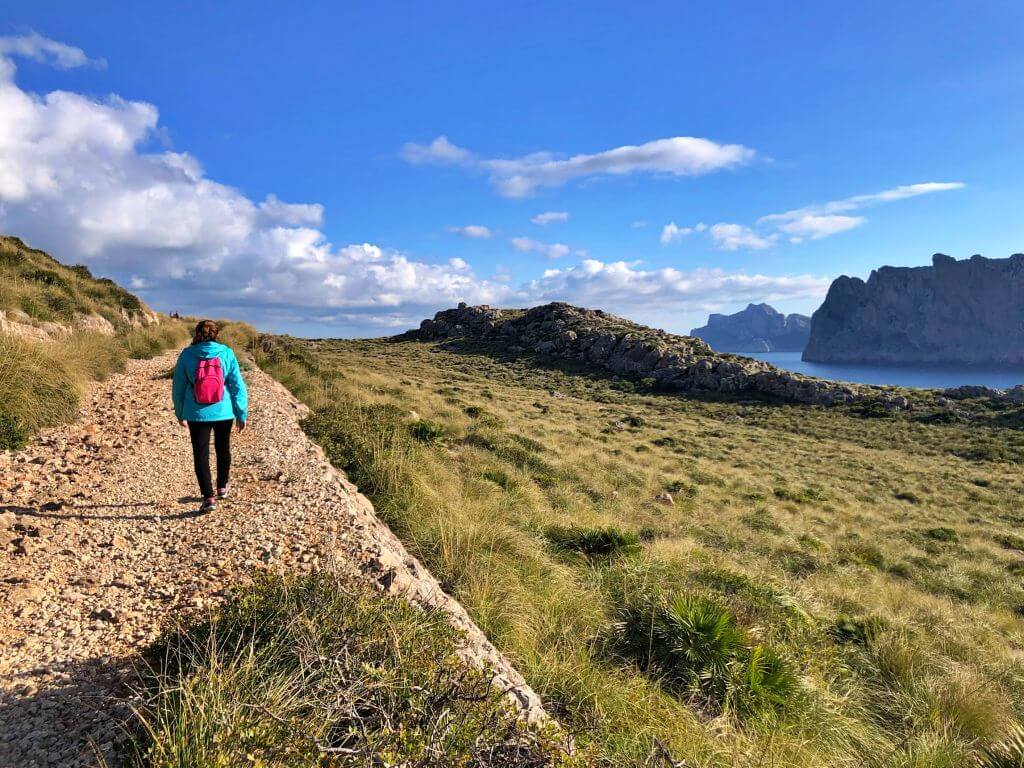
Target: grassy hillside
[
  {"x": 41, "y": 381},
  {"x": 752, "y": 583},
  {"x": 50, "y": 292}
]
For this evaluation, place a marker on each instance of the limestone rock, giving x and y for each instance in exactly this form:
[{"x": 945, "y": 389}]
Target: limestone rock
[
  {"x": 969, "y": 311},
  {"x": 680, "y": 363},
  {"x": 758, "y": 328}
]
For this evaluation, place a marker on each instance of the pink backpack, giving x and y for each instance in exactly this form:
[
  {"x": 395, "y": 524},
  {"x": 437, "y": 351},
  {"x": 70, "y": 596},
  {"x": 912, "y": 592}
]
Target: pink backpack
[{"x": 209, "y": 383}]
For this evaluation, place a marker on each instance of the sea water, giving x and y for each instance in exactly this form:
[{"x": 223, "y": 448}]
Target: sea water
[{"x": 938, "y": 376}]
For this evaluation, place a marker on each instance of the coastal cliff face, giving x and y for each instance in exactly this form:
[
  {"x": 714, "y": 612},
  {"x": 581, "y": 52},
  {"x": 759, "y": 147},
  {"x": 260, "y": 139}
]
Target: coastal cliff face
[
  {"x": 969, "y": 311},
  {"x": 758, "y": 328},
  {"x": 680, "y": 363}
]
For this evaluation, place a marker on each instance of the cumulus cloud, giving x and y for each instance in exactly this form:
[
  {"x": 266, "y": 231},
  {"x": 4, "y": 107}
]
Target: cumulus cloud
[
  {"x": 292, "y": 214},
  {"x": 672, "y": 233},
  {"x": 472, "y": 231},
  {"x": 548, "y": 250},
  {"x": 76, "y": 178},
  {"x": 522, "y": 176},
  {"x": 550, "y": 217}
]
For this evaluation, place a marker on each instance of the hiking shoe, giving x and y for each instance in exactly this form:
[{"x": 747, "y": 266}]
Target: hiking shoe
[
  {"x": 222, "y": 493},
  {"x": 209, "y": 504}
]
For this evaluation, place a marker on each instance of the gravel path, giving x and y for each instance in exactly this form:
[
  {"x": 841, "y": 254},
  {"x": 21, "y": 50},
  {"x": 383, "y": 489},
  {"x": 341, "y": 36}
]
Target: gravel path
[{"x": 103, "y": 548}]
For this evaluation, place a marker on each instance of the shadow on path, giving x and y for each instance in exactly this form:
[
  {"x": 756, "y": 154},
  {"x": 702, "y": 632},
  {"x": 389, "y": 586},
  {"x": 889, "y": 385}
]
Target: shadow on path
[
  {"x": 70, "y": 721},
  {"x": 68, "y": 513}
]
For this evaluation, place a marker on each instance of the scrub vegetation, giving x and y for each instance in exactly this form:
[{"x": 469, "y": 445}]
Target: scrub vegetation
[
  {"x": 319, "y": 672},
  {"x": 748, "y": 583},
  {"x": 42, "y": 381}
]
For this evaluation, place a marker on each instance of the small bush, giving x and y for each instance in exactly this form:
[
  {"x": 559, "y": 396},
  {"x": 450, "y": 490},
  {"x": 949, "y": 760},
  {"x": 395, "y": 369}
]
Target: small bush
[
  {"x": 857, "y": 631},
  {"x": 593, "y": 542},
  {"x": 426, "y": 431},
  {"x": 1010, "y": 541},
  {"x": 941, "y": 533},
  {"x": 765, "y": 682},
  {"x": 12, "y": 435},
  {"x": 316, "y": 671},
  {"x": 692, "y": 643},
  {"x": 805, "y": 495},
  {"x": 908, "y": 496}
]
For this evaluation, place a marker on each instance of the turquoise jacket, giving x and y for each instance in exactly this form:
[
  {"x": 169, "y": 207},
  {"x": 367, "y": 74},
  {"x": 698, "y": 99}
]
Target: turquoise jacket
[{"x": 234, "y": 404}]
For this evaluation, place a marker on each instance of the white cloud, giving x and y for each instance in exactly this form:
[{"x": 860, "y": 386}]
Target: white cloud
[
  {"x": 625, "y": 287},
  {"x": 292, "y": 214},
  {"x": 811, "y": 222},
  {"x": 550, "y": 217},
  {"x": 76, "y": 178},
  {"x": 731, "y": 237},
  {"x": 672, "y": 233},
  {"x": 472, "y": 231},
  {"x": 38, "y": 48},
  {"x": 438, "y": 152},
  {"x": 822, "y": 217},
  {"x": 548, "y": 250},
  {"x": 522, "y": 176},
  {"x": 815, "y": 227}
]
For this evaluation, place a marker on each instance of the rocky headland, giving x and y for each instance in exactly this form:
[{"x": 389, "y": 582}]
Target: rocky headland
[
  {"x": 679, "y": 363},
  {"x": 758, "y": 328},
  {"x": 969, "y": 311}
]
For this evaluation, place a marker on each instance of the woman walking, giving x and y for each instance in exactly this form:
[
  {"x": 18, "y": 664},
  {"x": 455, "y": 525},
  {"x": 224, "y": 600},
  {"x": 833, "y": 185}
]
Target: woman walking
[{"x": 209, "y": 394}]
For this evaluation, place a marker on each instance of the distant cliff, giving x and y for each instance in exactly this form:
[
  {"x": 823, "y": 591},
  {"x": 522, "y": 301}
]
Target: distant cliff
[
  {"x": 758, "y": 328},
  {"x": 969, "y": 311}
]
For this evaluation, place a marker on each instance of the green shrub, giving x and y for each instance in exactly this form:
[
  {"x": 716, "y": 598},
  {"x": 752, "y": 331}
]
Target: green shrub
[
  {"x": 605, "y": 541},
  {"x": 941, "y": 533},
  {"x": 427, "y": 431},
  {"x": 12, "y": 435},
  {"x": 316, "y": 671},
  {"x": 765, "y": 682},
  {"x": 857, "y": 631},
  {"x": 690, "y": 641},
  {"x": 693, "y": 644},
  {"x": 805, "y": 495},
  {"x": 1011, "y": 541}
]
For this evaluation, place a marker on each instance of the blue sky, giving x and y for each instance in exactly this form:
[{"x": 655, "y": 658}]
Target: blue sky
[{"x": 335, "y": 169}]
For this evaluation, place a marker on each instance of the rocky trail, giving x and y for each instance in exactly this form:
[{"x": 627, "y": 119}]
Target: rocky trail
[{"x": 103, "y": 550}]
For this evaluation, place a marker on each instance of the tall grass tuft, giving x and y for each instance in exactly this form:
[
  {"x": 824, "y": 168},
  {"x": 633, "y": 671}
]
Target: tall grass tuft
[{"x": 319, "y": 671}]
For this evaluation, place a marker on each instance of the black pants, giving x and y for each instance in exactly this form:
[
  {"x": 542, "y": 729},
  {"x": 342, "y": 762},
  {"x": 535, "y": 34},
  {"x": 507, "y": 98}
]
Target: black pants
[{"x": 200, "y": 431}]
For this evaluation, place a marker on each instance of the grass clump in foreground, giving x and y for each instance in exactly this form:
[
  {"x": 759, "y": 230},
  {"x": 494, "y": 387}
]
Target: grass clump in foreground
[
  {"x": 788, "y": 608},
  {"x": 318, "y": 671}
]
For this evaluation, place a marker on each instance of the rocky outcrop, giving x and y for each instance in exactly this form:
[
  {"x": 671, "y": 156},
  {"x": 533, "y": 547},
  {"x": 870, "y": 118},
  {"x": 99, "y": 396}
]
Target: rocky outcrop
[
  {"x": 680, "y": 363},
  {"x": 969, "y": 311},
  {"x": 758, "y": 328}
]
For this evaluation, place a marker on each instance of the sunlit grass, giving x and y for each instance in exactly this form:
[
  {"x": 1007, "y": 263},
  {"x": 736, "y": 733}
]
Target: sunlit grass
[{"x": 864, "y": 552}]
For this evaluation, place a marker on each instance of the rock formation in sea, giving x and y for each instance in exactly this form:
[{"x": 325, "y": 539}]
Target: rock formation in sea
[
  {"x": 758, "y": 328},
  {"x": 956, "y": 312}
]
